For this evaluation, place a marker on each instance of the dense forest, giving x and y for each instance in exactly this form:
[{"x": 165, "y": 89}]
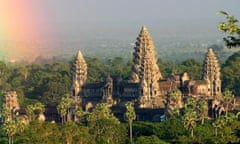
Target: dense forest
[
  {"x": 101, "y": 127},
  {"x": 47, "y": 85},
  {"x": 49, "y": 82}
]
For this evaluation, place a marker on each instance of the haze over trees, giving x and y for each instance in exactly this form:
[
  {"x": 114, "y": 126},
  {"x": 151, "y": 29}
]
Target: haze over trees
[{"x": 38, "y": 86}]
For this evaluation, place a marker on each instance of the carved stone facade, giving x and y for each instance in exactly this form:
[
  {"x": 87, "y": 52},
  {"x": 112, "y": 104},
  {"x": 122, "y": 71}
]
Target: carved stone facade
[
  {"x": 211, "y": 74},
  {"x": 10, "y": 99},
  {"x": 79, "y": 74},
  {"x": 145, "y": 87},
  {"x": 146, "y": 71}
]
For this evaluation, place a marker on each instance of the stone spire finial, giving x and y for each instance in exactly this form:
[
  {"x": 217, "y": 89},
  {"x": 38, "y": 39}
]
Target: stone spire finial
[
  {"x": 211, "y": 73},
  {"x": 144, "y": 29},
  {"x": 79, "y": 74},
  {"x": 145, "y": 68},
  {"x": 79, "y": 55}
]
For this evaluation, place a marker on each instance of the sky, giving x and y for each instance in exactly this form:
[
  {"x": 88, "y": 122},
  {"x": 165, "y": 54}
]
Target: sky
[{"x": 29, "y": 27}]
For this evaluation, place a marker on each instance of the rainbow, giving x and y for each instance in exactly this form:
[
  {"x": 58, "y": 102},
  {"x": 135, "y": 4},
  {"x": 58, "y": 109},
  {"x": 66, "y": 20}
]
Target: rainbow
[{"x": 22, "y": 26}]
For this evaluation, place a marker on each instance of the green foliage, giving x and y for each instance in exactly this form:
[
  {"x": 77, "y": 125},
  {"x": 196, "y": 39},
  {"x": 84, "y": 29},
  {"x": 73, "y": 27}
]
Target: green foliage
[
  {"x": 130, "y": 112},
  {"x": 231, "y": 74},
  {"x": 63, "y": 108},
  {"x": 228, "y": 99},
  {"x": 40, "y": 133},
  {"x": 174, "y": 102},
  {"x": 149, "y": 140},
  {"x": 202, "y": 109},
  {"x": 34, "y": 110},
  {"x": 192, "y": 67},
  {"x": 171, "y": 129},
  {"x": 190, "y": 115},
  {"x": 146, "y": 129},
  {"x": 231, "y": 28},
  {"x": 69, "y": 132},
  {"x": 10, "y": 129},
  {"x": 5, "y": 112},
  {"x": 105, "y": 126},
  {"x": 225, "y": 129}
]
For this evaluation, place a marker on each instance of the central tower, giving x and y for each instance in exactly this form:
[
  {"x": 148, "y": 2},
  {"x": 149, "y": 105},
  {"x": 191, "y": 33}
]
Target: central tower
[
  {"x": 145, "y": 70},
  {"x": 79, "y": 74}
]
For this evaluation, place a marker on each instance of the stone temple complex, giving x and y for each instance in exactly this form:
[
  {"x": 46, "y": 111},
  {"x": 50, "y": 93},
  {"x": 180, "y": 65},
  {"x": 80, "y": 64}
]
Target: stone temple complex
[{"x": 145, "y": 87}]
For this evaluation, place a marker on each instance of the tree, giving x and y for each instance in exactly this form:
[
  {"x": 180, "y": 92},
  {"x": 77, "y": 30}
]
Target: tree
[
  {"x": 62, "y": 111},
  {"x": 190, "y": 116},
  {"x": 228, "y": 99},
  {"x": 35, "y": 110},
  {"x": 69, "y": 131},
  {"x": 96, "y": 69},
  {"x": 231, "y": 28},
  {"x": 21, "y": 124},
  {"x": 10, "y": 129},
  {"x": 64, "y": 108},
  {"x": 220, "y": 123},
  {"x": 192, "y": 67},
  {"x": 130, "y": 116},
  {"x": 3, "y": 72},
  {"x": 30, "y": 112},
  {"x": 104, "y": 125},
  {"x": 230, "y": 74},
  {"x": 149, "y": 140},
  {"x": 202, "y": 108},
  {"x": 80, "y": 115},
  {"x": 174, "y": 102},
  {"x": 172, "y": 128},
  {"x": 6, "y": 113},
  {"x": 189, "y": 121},
  {"x": 40, "y": 133}
]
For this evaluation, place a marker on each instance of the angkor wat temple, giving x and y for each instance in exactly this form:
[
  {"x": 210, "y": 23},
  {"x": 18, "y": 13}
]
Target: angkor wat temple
[{"x": 146, "y": 86}]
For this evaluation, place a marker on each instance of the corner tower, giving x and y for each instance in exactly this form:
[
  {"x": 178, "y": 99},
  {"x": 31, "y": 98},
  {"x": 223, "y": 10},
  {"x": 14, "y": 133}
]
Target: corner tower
[
  {"x": 79, "y": 74},
  {"x": 211, "y": 73},
  {"x": 145, "y": 70}
]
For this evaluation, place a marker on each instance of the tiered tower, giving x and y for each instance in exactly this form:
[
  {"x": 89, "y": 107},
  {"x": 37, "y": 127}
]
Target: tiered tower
[
  {"x": 145, "y": 70},
  {"x": 79, "y": 74},
  {"x": 10, "y": 99},
  {"x": 211, "y": 74}
]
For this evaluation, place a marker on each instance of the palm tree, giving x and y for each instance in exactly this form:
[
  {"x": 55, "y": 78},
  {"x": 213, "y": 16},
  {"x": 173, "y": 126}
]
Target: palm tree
[
  {"x": 64, "y": 108},
  {"x": 39, "y": 108},
  {"x": 228, "y": 98},
  {"x": 219, "y": 123},
  {"x": 6, "y": 113},
  {"x": 10, "y": 129},
  {"x": 189, "y": 121},
  {"x": 130, "y": 115},
  {"x": 62, "y": 111},
  {"x": 190, "y": 116},
  {"x": 202, "y": 110},
  {"x": 30, "y": 112},
  {"x": 190, "y": 105},
  {"x": 174, "y": 102},
  {"x": 20, "y": 123},
  {"x": 80, "y": 114}
]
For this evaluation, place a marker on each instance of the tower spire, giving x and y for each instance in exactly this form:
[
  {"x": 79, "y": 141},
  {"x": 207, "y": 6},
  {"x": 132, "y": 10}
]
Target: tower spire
[
  {"x": 79, "y": 74},
  {"x": 145, "y": 69},
  {"x": 144, "y": 52},
  {"x": 211, "y": 73}
]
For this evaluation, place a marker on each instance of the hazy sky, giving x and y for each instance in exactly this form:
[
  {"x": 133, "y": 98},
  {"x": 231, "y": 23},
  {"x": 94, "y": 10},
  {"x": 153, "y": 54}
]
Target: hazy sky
[
  {"x": 84, "y": 21},
  {"x": 79, "y": 19},
  {"x": 124, "y": 18}
]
